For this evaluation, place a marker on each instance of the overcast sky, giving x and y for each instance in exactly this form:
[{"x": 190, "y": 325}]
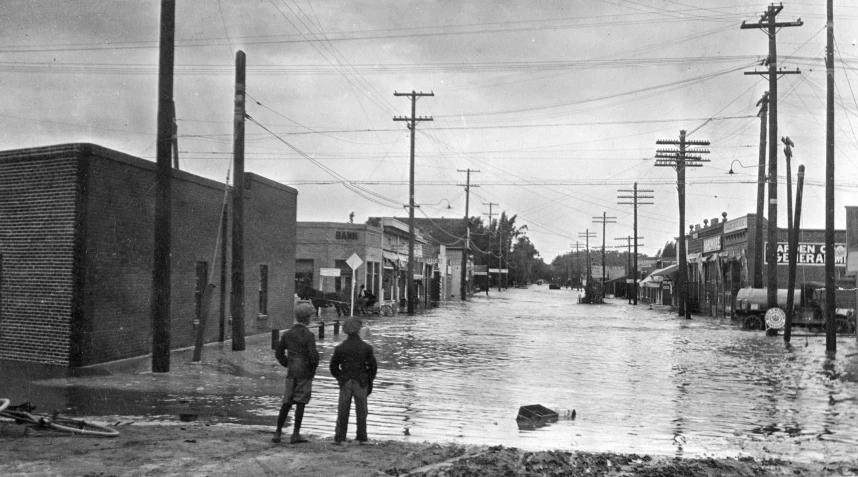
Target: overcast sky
[{"x": 558, "y": 104}]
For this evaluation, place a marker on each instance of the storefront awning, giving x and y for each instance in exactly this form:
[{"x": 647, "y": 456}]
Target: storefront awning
[{"x": 668, "y": 273}]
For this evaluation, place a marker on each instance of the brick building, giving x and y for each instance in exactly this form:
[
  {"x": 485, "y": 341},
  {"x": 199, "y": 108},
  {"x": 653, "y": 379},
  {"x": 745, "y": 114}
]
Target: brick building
[
  {"x": 77, "y": 246},
  {"x": 329, "y": 245},
  {"x": 721, "y": 258}
]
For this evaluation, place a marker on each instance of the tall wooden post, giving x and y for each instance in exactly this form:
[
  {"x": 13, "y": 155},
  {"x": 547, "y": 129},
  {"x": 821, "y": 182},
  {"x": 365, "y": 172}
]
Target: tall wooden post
[
  {"x": 793, "y": 255},
  {"x": 161, "y": 280},
  {"x": 237, "y": 301},
  {"x": 830, "y": 323},
  {"x": 761, "y": 192}
]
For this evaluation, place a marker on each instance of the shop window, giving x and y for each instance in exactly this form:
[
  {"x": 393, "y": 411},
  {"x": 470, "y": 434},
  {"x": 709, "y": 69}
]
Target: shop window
[
  {"x": 343, "y": 283},
  {"x": 202, "y": 280},
  {"x": 263, "y": 290},
  {"x": 303, "y": 274}
]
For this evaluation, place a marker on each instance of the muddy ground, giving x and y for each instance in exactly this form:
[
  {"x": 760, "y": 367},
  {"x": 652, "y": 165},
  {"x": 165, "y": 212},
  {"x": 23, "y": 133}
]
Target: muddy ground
[{"x": 198, "y": 449}]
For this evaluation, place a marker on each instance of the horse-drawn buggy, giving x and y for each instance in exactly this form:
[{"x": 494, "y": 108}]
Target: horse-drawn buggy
[{"x": 321, "y": 299}]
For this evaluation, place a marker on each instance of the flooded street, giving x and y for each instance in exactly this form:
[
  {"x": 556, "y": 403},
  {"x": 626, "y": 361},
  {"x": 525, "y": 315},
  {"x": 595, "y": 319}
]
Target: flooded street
[{"x": 640, "y": 380}]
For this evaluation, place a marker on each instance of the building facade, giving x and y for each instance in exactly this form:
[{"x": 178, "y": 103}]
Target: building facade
[
  {"x": 322, "y": 253},
  {"x": 722, "y": 257},
  {"x": 77, "y": 248}
]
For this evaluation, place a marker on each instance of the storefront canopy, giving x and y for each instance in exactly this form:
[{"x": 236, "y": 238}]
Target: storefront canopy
[{"x": 668, "y": 273}]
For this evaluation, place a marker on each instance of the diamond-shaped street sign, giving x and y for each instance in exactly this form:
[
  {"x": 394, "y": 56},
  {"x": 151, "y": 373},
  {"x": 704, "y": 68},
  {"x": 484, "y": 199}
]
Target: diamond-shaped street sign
[{"x": 354, "y": 261}]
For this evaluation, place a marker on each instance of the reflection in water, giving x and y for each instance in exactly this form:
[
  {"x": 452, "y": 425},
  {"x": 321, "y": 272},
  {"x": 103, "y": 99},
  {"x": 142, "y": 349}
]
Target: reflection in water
[{"x": 640, "y": 380}]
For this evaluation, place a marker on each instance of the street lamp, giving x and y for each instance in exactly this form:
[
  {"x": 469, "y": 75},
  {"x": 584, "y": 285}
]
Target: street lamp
[{"x": 741, "y": 165}]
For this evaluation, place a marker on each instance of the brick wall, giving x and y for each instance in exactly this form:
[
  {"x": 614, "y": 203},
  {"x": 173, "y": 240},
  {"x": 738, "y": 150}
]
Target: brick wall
[
  {"x": 37, "y": 216},
  {"x": 80, "y": 293}
]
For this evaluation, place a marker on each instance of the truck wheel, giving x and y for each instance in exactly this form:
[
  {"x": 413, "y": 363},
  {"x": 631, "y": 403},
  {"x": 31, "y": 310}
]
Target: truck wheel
[{"x": 753, "y": 322}]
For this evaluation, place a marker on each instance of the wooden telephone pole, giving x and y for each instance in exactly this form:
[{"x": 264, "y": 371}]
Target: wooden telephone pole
[
  {"x": 770, "y": 27},
  {"x": 161, "y": 279},
  {"x": 586, "y": 236},
  {"x": 636, "y": 197},
  {"x": 467, "y": 249},
  {"x": 488, "y": 259},
  {"x": 412, "y": 125},
  {"x": 679, "y": 159},
  {"x": 236, "y": 304},
  {"x": 632, "y": 290},
  {"x": 604, "y": 219}
]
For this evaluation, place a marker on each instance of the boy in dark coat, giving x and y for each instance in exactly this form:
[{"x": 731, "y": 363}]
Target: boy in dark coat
[
  {"x": 354, "y": 367},
  {"x": 297, "y": 352}
]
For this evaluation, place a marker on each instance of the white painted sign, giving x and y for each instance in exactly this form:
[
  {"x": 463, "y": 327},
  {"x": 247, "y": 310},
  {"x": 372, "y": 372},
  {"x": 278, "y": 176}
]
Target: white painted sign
[
  {"x": 809, "y": 254},
  {"x": 329, "y": 272},
  {"x": 736, "y": 224},
  {"x": 354, "y": 261},
  {"x": 712, "y": 244}
]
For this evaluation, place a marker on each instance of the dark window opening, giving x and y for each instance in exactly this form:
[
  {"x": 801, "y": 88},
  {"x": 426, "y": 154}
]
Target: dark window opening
[
  {"x": 303, "y": 275},
  {"x": 263, "y": 289},
  {"x": 202, "y": 274}
]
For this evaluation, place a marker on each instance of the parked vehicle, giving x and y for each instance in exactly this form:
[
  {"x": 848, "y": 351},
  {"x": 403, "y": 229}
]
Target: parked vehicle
[{"x": 808, "y": 307}]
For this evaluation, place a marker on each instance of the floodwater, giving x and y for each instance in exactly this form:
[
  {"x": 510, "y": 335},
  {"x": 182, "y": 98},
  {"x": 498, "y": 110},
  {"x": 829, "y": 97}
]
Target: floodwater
[{"x": 640, "y": 380}]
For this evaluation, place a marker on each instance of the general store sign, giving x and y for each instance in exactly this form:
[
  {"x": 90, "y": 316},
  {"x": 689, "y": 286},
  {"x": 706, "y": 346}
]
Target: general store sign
[
  {"x": 809, "y": 254},
  {"x": 329, "y": 272},
  {"x": 736, "y": 224},
  {"x": 712, "y": 244}
]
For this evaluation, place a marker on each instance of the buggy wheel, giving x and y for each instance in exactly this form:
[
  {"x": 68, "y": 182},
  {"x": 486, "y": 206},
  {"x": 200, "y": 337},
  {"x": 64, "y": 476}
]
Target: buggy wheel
[
  {"x": 845, "y": 326},
  {"x": 386, "y": 310},
  {"x": 752, "y": 322}
]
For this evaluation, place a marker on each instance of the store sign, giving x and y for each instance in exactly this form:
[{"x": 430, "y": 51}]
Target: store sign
[
  {"x": 809, "y": 254},
  {"x": 403, "y": 249},
  {"x": 736, "y": 224},
  {"x": 851, "y": 240},
  {"x": 712, "y": 244},
  {"x": 343, "y": 235},
  {"x": 329, "y": 272}
]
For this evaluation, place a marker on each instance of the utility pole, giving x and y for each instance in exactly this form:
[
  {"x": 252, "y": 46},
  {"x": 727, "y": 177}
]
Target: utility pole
[
  {"x": 792, "y": 252},
  {"x": 769, "y": 26},
  {"x": 761, "y": 192},
  {"x": 161, "y": 279},
  {"x": 679, "y": 159},
  {"x": 636, "y": 196},
  {"x": 174, "y": 135},
  {"x": 586, "y": 236},
  {"x": 604, "y": 219},
  {"x": 501, "y": 246},
  {"x": 788, "y": 145},
  {"x": 236, "y": 304},
  {"x": 488, "y": 259},
  {"x": 467, "y": 249},
  {"x": 412, "y": 125},
  {"x": 629, "y": 240},
  {"x": 830, "y": 323},
  {"x": 577, "y": 259}
]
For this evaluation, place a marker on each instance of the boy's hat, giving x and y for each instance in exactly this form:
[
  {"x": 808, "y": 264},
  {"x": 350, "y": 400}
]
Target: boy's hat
[
  {"x": 352, "y": 325},
  {"x": 304, "y": 310}
]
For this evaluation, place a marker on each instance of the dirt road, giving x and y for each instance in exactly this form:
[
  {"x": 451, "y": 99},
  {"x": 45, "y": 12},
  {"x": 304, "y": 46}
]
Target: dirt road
[{"x": 198, "y": 449}]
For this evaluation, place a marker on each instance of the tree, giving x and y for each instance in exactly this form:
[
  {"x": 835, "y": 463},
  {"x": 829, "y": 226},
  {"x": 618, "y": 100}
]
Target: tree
[{"x": 669, "y": 250}]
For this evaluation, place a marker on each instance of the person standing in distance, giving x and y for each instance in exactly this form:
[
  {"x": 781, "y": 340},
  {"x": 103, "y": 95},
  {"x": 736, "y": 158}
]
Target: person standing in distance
[
  {"x": 354, "y": 367},
  {"x": 297, "y": 352}
]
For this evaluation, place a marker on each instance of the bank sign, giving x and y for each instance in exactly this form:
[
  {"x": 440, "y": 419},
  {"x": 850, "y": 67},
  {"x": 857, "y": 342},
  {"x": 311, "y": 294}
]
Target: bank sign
[{"x": 809, "y": 254}]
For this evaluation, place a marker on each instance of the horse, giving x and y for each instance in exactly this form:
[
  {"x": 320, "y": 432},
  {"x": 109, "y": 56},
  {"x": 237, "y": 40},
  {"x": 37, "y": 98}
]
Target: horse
[{"x": 321, "y": 299}]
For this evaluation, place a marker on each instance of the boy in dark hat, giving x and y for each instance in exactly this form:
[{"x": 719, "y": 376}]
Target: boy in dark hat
[
  {"x": 354, "y": 367},
  {"x": 297, "y": 352}
]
